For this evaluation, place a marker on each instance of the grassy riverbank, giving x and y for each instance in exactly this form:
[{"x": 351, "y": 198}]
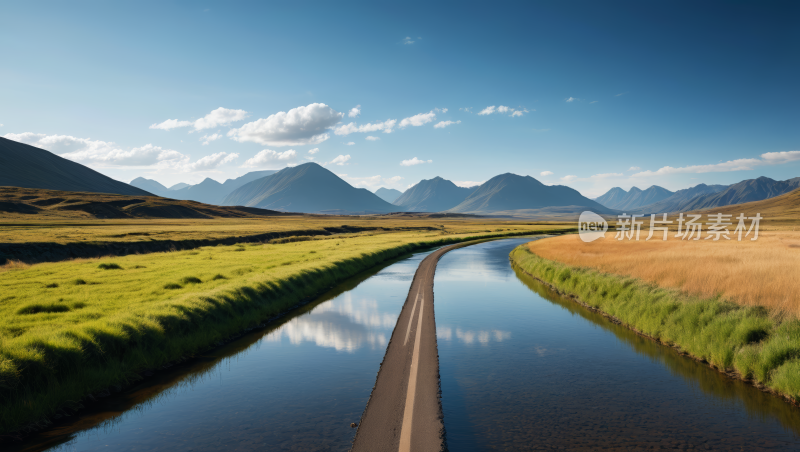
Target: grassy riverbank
[
  {"x": 750, "y": 341},
  {"x": 69, "y": 329}
]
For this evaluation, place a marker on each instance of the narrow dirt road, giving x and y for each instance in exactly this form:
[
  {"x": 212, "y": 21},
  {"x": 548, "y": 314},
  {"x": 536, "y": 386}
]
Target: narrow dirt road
[{"x": 404, "y": 412}]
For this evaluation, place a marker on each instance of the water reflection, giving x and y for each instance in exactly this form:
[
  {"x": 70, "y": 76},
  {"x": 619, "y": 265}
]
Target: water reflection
[
  {"x": 567, "y": 377},
  {"x": 345, "y": 324},
  {"x": 468, "y": 337},
  {"x": 294, "y": 386}
]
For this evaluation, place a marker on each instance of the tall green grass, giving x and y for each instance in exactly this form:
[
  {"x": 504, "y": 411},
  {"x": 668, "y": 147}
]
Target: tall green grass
[
  {"x": 749, "y": 341},
  {"x": 59, "y": 344}
]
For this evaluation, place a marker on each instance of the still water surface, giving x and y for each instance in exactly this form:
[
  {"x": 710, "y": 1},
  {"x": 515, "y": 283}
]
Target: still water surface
[
  {"x": 521, "y": 369},
  {"x": 294, "y": 386}
]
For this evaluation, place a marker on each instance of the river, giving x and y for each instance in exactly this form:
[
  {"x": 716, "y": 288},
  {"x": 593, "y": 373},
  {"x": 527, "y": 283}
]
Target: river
[{"x": 521, "y": 369}]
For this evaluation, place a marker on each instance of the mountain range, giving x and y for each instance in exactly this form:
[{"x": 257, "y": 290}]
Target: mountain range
[
  {"x": 432, "y": 195},
  {"x": 619, "y": 199},
  {"x": 27, "y": 166},
  {"x": 208, "y": 191},
  {"x": 508, "y": 192},
  {"x": 307, "y": 188},
  {"x": 700, "y": 196},
  {"x": 310, "y": 188}
]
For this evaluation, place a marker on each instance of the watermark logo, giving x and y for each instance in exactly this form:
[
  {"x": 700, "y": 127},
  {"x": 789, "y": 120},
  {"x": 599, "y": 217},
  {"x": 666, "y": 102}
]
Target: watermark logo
[{"x": 591, "y": 226}]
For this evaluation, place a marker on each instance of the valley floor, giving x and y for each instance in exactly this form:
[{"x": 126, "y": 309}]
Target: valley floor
[{"x": 73, "y": 328}]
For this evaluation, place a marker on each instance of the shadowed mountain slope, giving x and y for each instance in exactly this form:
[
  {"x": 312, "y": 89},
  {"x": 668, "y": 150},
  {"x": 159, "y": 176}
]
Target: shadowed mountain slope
[
  {"x": 388, "y": 194},
  {"x": 681, "y": 198},
  {"x": 619, "y": 199},
  {"x": 510, "y": 192},
  {"x": 307, "y": 188},
  {"x": 40, "y": 204},
  {"x": 432, "y": 195},
  {"x": 22, "y": 165},
  {"x": 719, "y": 195}
]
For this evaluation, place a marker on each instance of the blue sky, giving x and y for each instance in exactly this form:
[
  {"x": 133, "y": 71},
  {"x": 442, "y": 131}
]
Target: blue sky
[{"x": 687, "y": 92}]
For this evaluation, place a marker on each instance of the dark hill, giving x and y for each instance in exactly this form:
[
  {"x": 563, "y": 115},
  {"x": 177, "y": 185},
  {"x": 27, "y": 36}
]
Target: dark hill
[
  {"x": 307, "y": 188},
  {"x": 510, "y": 192},
  {"x": 27, "y": 166},
  {"x": 433, "y": 195},
  {"x": 32, "y": 203}
]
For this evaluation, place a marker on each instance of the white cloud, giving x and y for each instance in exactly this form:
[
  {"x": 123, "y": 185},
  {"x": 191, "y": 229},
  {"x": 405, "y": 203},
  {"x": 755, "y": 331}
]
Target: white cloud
[
  {"x": 407, "y": 40},
  {"x": 313, "y": 151},
  {"x": 213, "y": 161},
  {"x": 372, "y": 182},
  {"x": 371, "y": 138},
  {"x": 569, "y": 178},
  {"x": 209, "y": 138},
  {"x": 354, "y": 112},
  {"x": 414, "y": 161},
  {"x": 347, "y": 129},
  {"x": 634, "y": 168},
  {"x": 467, "y": 183},
  {"x": 768, "y": 158},
  {"x": 270, "y": 159},
  {"x": 298, "y": 126},
  {"x": 572, "y": 99},
  {"x": 418, "y": 119},
  {"x": 546, "y": 173},
  {"x": 1, "y": 125},
  {"x": 776, "y": 158},
  {"x": 503, "y": 109},
  {"x": 219, "y": 117},
  {"x": 100, "y": 153},
  {"x": 620, "y": 94},
  {"x": 340, "y": 160},
  {"x": 466, "y": 109},
  {"x": 171, "y": 124},
  {"x": 594, "y": 101},
  {"x": 350, "y": 143},
  {"x": 443, "y": 124}
]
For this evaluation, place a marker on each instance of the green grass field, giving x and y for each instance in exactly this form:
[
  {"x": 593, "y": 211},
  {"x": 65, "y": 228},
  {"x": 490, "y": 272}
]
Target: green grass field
[
  {"x": 68, "y": 329},
  {"x": 750, "y": 341}
]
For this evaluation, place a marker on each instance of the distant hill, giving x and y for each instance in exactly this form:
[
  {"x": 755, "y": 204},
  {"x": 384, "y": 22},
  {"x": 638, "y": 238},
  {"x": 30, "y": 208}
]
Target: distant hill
[
  {"x": 619, "y": 199},
  {"x": 178, "y": 186},
  {"x": 432, "y": 195},
  {"x": 54, "y": 204},
  {"x": 745, "y": 191},
  {"x": 388, "y": 194},
  {"x": 780, "y": 209},
  {"x": 150, "y": 185},
  {"x": 509, "y": 192},
  {"x": 209, "y": 191},
  {"x": 680, "y": 198},
  {"x": 307, "y": 188},
  {"x": 22, "y": 165}
]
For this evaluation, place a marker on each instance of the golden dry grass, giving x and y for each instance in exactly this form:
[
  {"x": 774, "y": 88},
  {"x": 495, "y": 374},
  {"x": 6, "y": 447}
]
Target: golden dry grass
[{"x": 761, "y": 273}]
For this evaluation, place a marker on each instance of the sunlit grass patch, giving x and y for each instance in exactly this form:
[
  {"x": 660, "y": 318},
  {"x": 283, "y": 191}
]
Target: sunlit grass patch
[
  {"x": 175, "y": 304},
  {"x": 754, "y": 341}
]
